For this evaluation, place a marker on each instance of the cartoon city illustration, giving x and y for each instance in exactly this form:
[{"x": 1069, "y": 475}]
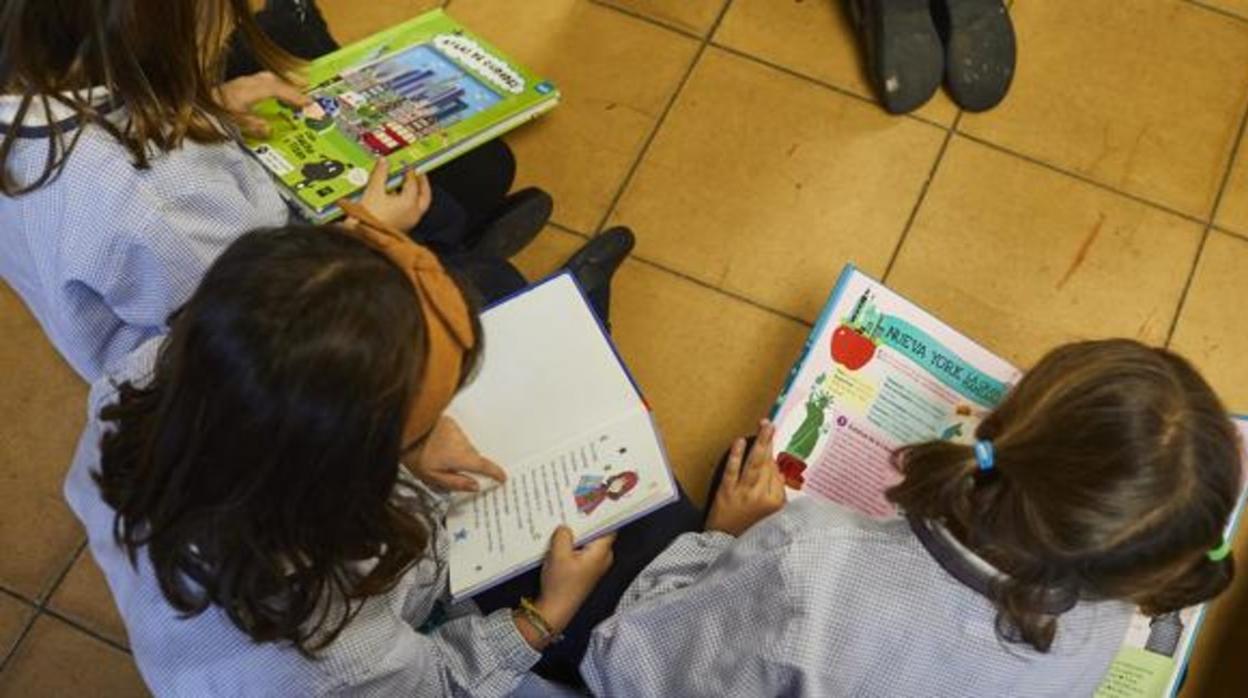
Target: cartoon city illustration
[{"x": 399, "y": 101}]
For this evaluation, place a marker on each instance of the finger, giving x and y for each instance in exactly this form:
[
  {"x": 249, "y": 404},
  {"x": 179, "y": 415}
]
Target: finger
[
  {"x": 287, "y": 93},
  {"x": 561, "y": 542},
  {"x": 408, "y": 192},
  {"x": 454, "y": 482},
  {"x": 732, "y": 469},
  {"x": 425, "y": 199},
  {"x": 760, "y": 453},
  {"x": 252, "y": 126},
  {"x": 599, "y": 546},
  {"x": 484, "y": 466},
  {"x": 377, "y": 178}
]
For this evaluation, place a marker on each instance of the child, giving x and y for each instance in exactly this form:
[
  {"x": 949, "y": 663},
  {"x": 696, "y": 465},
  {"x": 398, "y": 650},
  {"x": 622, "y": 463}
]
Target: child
[
  {"x": 241, "y": 486},
  {"x": 1103, "y": 482},
  {"x": 120, "y": 180}
]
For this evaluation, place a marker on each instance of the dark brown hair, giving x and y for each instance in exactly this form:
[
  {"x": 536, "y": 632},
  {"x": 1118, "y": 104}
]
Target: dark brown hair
[
  {"x": 259, "y": 467},
  {"x": 162, "y": 59},
  {"x": 1117, "y": 470}
]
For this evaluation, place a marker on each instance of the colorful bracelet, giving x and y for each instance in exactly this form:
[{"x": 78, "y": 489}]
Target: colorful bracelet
[{"x": 529, "y": 612}]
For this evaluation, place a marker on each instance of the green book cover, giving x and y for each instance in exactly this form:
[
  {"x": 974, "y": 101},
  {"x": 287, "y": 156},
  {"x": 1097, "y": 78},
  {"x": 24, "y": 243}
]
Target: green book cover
[{"x": 420, "y": 93}]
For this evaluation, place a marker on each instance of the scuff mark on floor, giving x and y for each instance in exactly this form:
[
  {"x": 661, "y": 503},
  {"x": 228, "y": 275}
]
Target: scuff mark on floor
[{"x": 1081, "y": 254}]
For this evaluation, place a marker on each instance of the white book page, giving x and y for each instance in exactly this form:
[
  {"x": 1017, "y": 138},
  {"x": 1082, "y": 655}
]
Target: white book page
[
  {"x": 548, "y": 373},
  {"x": 879, "y": 373},
  {"x": 593, "y": 483}
]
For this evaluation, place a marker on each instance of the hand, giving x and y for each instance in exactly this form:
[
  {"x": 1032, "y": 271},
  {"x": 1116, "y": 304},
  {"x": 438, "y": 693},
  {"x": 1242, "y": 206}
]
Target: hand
[
  {"x": 447, "y": 453},
  {"x": 568, "y": 575},
  {"x": 241, "y": 94},
  {"x": 403, "y": 208},
  {"x": 749, "y": 492}
]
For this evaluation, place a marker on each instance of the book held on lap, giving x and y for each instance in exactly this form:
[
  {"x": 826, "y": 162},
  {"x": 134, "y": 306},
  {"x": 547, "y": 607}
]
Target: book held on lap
[
  {"x": 877, "y": 373},
  {"x": 556, "y": 408},
  {"x": 420, "y": 94}
]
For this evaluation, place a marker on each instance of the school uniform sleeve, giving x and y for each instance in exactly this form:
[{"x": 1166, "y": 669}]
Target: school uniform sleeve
[
  {"x": 680, "y": 565},
  {"x": 693, "y": 623}
]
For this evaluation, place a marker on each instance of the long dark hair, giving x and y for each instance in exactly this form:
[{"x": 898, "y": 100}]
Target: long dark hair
[
  {"x": 162, "y": 59},
  {"x": 259, "y": 467},
  {"x": 1117, "y": 470}
]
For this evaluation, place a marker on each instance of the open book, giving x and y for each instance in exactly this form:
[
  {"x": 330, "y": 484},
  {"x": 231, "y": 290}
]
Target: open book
[
  {"x": 556, "y": 408},
  {"x": 420, "y": 93},
  {"x": 878, "y": 372}
]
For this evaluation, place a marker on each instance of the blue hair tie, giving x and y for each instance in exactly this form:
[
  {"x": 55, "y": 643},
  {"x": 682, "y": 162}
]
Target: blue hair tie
[{"x": 985, "y": 455}]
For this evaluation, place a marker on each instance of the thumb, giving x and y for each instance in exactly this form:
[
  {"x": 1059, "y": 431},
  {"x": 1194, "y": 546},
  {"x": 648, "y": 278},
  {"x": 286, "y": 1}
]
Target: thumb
[
  {"x": 377, "y": 178},
  {"x": 561, "y": 542}
]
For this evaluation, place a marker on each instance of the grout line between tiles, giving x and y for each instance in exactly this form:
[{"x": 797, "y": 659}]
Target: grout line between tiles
[
  {"x": 1209, "y": 228},
  {"x": 81, "y": 627},
  {"x": 11, "y": 650},
  {"x": 823, "y": 83},
  {"x": 46, "y": 598},
  {"x": 1083, "y": 178},
  {"x": 918, "y": 204},
  {"x": 1235, "y": 234},
  {"x": 658, "y": 124},
  {"x": 696, "y": 281},
  {"x": 651, "y": 20},
  {"x": 1217, "y": 10}
]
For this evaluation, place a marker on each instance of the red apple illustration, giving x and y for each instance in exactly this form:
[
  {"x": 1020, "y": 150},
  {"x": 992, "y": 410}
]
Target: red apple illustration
[
  {"x": 850, "y": 348},
  {"x": 791, "y": 467}
]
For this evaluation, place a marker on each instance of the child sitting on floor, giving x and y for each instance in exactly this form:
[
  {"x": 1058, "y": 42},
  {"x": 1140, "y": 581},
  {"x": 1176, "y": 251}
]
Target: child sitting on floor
[{"x": 1103, "y": 482}]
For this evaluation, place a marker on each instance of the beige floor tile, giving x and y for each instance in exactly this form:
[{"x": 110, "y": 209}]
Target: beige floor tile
[
  {"x": 709, "y": 365},
  {"x": 42, "y": 407},
  {"x": 1152, "y": 111},
  {"x": 84, "y": 597},
  {"x": 57, "y": 659},
  {"x": 351, "y": 20},
  {"x": 769, "y": 196},
  {"x": 814, "y": 38},
  {"x": 616, "y": 73},
  {"x": 695, "y": 16},
  {"x": 1233, "y": 212},
  {"x": 1024, "y": 258},
  {"x": 1212, "y": 330},
  {"x": 14, "y": 615},
  {"x": 1239, "y": 7}
]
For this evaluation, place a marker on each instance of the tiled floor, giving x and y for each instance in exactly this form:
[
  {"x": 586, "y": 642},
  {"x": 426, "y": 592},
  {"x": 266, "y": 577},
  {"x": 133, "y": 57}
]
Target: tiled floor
[{"x": 738, "y": 138}]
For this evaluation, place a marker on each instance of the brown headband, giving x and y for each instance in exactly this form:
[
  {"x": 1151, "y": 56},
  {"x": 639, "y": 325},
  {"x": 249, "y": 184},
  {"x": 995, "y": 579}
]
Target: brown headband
[{"x": 447, "y": 320}]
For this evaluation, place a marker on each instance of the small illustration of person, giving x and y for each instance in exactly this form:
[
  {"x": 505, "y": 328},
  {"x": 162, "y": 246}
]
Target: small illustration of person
[
  {"x": 319, "y": 115},
  {"x": 593, "y": 490},
  {"x": 320, "y": 171}
]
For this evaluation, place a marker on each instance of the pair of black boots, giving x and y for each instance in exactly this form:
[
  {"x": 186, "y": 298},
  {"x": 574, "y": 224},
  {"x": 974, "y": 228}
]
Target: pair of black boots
[{"x": 912, "y": 46}]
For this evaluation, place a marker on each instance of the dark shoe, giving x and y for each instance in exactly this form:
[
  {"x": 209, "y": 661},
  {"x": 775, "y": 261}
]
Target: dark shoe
[
  {"x": 980, "y": 51},
  {"x": 904, "y": 57},
  {"x": 522, "y": 216},
  {"x": 594, "y": 264}
]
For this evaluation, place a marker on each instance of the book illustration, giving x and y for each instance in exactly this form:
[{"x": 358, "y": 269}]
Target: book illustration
[
  {"x": 398, "y": 101},
  {"x": 792, "y": 460},
  {"x": 853, "y": 343},
  {"x": 593, "y": 490}
]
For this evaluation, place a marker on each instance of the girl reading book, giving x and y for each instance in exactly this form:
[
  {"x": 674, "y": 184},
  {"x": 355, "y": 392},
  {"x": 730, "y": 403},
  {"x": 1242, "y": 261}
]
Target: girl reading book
[
  {"x": 263, "y": 487},
  {"x": 120, "y": 181},
  {"x": 1103, "y": 482}
]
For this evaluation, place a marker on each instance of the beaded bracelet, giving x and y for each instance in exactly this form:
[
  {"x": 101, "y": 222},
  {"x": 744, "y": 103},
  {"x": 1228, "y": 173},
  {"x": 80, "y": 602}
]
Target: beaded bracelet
[{"x": 529, "y": 612}]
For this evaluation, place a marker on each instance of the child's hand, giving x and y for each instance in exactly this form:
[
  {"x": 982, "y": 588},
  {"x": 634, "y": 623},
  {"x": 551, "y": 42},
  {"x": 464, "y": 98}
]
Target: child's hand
[
  {"x": 568, "y": 575},
  {"x": 749, "y": 492},
  {"x": 447, "y": 454},
  {"x": 403, "y": 208},
  {"x": 241, "y": 94}
]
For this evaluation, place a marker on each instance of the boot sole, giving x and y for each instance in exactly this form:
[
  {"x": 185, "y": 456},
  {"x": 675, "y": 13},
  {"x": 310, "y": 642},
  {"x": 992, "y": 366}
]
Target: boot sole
[{"x": 981, "y": 53}]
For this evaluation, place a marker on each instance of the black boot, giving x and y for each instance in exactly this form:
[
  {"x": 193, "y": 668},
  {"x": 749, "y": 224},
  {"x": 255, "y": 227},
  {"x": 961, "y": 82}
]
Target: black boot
[
  {"x": 594, "y": 264},
  {"x": 521, "y": 217},
  {"x": 904, "y": 56},
  {"x": 980, "y": 50}
]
